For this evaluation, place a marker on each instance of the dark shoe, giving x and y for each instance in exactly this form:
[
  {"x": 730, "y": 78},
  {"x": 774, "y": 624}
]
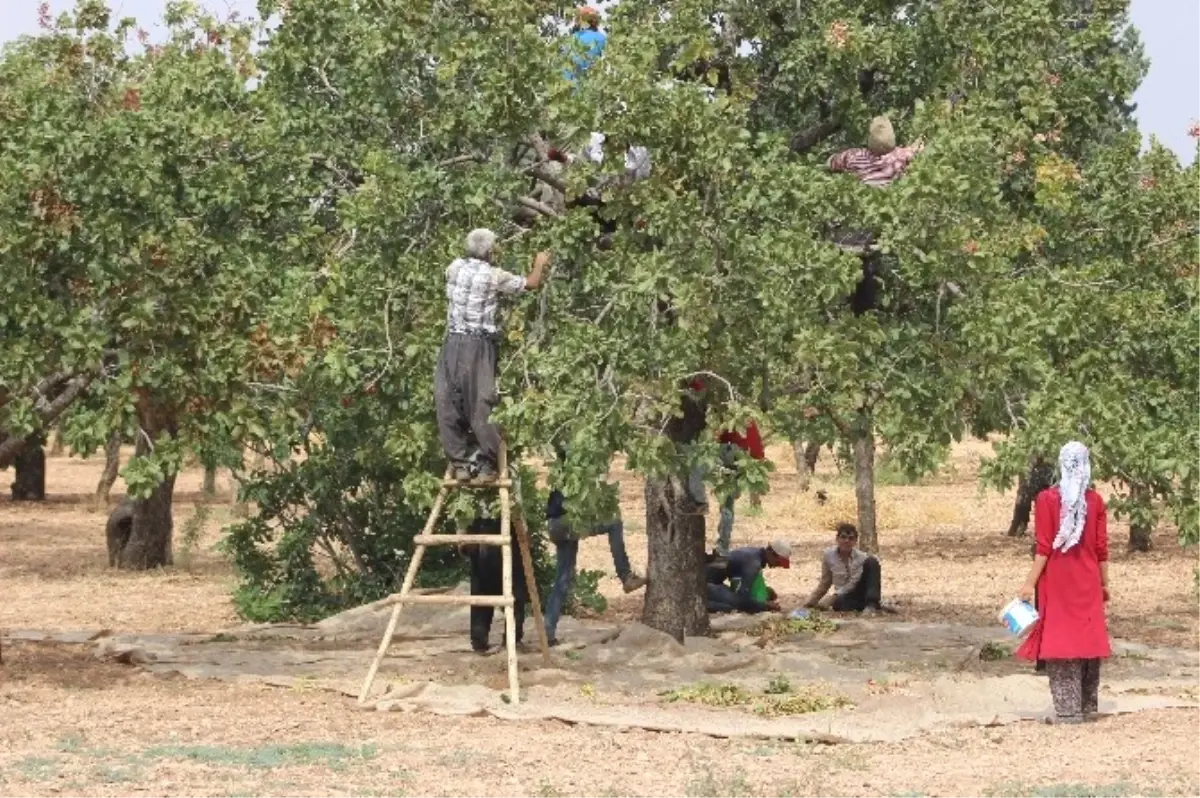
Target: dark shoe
[
  {"x": 485, "y": 473},
  {"x": 633, "y": 582},
  {"x": 479, "y": 646}
]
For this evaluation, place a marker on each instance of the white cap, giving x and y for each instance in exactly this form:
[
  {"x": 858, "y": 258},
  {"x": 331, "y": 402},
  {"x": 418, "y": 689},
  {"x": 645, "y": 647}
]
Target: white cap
[{"x": 782, "y": 548}]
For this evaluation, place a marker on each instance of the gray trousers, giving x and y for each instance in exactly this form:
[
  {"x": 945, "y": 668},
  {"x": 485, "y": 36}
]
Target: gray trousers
[{"x": 464, "y": 393}]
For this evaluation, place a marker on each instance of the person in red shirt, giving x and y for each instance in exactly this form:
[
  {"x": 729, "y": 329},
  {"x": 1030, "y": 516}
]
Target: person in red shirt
[
  {"x": 749, "y": 442},
  {"x": 1070, "y": 576}
]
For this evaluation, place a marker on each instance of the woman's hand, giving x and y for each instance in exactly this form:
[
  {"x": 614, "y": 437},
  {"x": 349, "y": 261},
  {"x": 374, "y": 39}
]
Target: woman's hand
[
  {"x": 1026, "y": 592},
  {"x": 1105, "y": 589}
]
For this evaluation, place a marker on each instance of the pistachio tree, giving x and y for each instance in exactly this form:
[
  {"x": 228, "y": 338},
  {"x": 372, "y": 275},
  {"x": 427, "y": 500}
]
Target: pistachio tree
[
  {"x": 146, "y": 259},
  {"x": 717, "y": 287},
  {"x": 1111, "y": 339}
]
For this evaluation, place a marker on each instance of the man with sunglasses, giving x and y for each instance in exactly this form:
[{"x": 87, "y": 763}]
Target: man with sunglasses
[{"x": 853, "y": 574}]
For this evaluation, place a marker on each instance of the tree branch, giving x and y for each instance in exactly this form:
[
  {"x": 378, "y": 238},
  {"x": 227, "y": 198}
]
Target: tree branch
[
  {"x": 555, "y": 182},
  {"x": 805, "y": 140},
  {"x": 534, "y": 205},
  {"x": 472, "y": 157}
]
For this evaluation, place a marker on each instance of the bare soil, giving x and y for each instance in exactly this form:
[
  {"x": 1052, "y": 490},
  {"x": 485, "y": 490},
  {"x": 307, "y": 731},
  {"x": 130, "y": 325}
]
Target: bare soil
[{"x": 76, "y": 724}]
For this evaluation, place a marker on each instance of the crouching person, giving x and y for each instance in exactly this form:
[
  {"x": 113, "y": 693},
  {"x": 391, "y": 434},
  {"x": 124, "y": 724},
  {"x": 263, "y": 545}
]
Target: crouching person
[
  {"x": 853, "y": 574},
  {"x": 487, "y": 579},
  {"x": 730, "y": 583}
]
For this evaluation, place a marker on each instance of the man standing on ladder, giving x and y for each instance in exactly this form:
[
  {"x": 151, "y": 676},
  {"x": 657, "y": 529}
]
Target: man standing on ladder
[{"x": 464, "y": 385}]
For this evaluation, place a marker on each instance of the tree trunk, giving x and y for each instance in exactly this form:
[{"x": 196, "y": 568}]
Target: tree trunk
[
  {"x": 864, "y": 482},
  {"x": 210, "y": 482},
  {"x": 112, "y": 466},
  {"x": 675, "y": 593},
  {"x": 1139, "y": 528},
  {"x": 150, "y": 544},
  {"x": 58, "y": 447},
  {"x": 676, "y": 600},
  {"x": 1040, "y": 477},
  {"x": 806, "y": 461},
  {"x": 29, "y": 482}
]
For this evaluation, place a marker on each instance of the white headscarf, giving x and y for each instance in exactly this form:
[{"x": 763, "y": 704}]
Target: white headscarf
[{"x": 1075, "y": 474}]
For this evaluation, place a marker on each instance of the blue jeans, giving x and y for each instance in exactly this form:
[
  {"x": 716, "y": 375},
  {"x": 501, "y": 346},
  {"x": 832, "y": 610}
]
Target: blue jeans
[
  {"x": 725, "y": 525},
  {"x": 566, "y": 552}
]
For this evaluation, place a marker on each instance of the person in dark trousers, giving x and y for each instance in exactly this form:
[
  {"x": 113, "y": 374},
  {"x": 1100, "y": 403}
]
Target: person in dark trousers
[
  {"x": 464, "y": 384},
  {"x": 731, "y": 577},
  {"x": 487, "y": 579},
  {"x": 854, "y": 575},
  {"x": 878, "y": 165}
]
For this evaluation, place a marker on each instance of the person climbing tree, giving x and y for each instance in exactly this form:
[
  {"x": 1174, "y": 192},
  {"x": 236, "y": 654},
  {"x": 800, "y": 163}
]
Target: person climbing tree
[
  {"x": 587, "y": 43},
  {"x": 878, "y": 164}
]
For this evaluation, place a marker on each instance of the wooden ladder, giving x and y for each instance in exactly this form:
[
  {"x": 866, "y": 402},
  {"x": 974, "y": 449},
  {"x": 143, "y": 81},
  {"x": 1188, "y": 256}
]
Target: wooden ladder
[{"x": 505, "y": 600}]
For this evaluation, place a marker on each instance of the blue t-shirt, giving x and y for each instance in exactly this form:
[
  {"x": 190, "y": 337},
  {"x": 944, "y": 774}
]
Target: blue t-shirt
[{"x": 592, "y": 43}]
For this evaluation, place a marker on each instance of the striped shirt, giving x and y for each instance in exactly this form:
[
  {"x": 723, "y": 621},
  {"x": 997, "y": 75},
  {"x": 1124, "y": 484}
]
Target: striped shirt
[
  {"x": 874, "y": 170},
  {"x": 473, "y": 288},
  {"x": 837, "y": 573}
]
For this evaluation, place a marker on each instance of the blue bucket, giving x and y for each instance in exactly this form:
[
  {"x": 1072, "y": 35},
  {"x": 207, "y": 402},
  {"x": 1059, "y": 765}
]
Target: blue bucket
[{"x": 1018, "y": 616}]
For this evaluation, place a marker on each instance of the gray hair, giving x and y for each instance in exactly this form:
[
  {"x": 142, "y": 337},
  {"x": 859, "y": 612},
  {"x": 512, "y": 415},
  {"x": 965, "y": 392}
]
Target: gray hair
[{"x": 480, "y": 243}]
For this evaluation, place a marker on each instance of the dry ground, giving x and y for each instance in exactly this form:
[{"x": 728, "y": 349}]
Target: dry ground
[{"x": 76, "y": 725}]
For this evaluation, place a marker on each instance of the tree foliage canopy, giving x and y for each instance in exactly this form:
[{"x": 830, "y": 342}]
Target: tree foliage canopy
[{"x": 247, "y": 230}]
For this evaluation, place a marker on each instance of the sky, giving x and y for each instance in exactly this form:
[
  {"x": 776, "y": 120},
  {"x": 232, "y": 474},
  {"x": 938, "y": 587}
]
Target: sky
[{"x": 1168, "y": 99}]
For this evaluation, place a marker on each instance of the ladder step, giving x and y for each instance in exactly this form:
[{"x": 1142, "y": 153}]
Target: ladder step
[
  {"x": 476, "y": 483},
  {"x": 458, "y": 540},
  {"x": 443, "y": 598}
]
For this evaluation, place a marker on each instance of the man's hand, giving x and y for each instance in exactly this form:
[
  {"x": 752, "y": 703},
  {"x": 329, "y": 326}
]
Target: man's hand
[
  {"x": 773, "y": 605},
  {"x": 534, "y": 280}
]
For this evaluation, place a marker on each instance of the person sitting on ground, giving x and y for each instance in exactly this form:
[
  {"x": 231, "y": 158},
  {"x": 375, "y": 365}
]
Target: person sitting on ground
[
  {"x": 588, "y": 43},
  {"x": 853, "y": 574},
  {"x": 464, "y": 384},
  {"x": 487, "y": 579},
  {"x": 731, "y": 578},
  {"x": 566, "y": 551}
]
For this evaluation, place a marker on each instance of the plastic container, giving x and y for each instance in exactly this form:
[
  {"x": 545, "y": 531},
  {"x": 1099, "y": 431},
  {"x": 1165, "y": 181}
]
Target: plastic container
[
  {"x": 758, "y": 589},
  {"x": 1018, "y": 616}
]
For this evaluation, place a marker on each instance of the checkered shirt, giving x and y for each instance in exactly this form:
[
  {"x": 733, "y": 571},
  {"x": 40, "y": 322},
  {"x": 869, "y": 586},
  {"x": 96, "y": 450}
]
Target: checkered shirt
[
  {"x": 874, "y": 170},
  {"x": 473, "y": 288}
]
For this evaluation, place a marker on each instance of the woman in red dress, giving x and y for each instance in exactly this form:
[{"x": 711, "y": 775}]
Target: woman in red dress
[{"x": 1070, "y": 575}]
